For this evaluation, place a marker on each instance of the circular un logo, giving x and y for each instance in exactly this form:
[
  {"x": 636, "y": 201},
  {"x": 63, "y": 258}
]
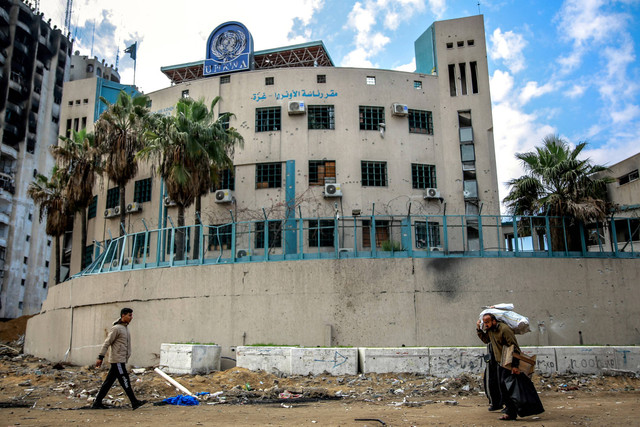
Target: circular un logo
[{"x": 229, "y": 45}]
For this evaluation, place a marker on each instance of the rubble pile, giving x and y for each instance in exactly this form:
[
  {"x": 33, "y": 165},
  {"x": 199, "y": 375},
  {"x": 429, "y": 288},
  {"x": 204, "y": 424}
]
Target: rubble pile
[{"x": 29, "y": 381}]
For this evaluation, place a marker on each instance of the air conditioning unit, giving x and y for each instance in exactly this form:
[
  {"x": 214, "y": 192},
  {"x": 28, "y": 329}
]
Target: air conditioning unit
[
  {"x": 435, "y": 249},
  {"x": 332, "y": 190},
  {"x": 296, "y": 107},
  {"x": 116, "y": 210},
  {"x": 224, "y": 196},
  {"x": 108, "y": 213},
  {"x": 127, "y": 261},
  {"x": 115, "y": 263},
  {"x": 169, "y": 202},
  {"x": 241, "y": 253},
  {"x": 399, "y": 110},
  {"x": 431, "y": 193},
  {"x": 134, "y": 207}
]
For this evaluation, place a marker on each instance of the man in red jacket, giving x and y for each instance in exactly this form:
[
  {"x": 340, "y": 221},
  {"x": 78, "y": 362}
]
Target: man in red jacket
[{"x": 119, "y": 341}]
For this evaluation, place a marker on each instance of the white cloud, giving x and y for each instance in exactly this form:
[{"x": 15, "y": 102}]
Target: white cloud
[
  {"x": 532, "y": 90},
  {"x": 410, "y": 67},
  {"x": 508, "y": 47},
  {"x": 627, "y": 114},
  {"x": 576, "y": 91},
  {"x": 501, "y": 84}
]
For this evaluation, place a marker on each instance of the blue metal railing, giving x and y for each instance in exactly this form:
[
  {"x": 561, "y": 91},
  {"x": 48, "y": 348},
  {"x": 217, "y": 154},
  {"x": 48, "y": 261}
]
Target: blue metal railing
[{"x": 374, "y": 236}]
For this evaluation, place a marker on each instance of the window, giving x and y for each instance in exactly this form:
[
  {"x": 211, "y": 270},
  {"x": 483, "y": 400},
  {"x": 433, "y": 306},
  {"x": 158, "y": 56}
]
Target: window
[
  {"x": 139, "y": 248},
  {"x": 321, "y": 233},
  {"x": 89, "y": 68},
  {"x": 31, "y": 145},
  {"x": 630, "y": 177},
  {"x": 20, "y": 305},
  {"x": 77, "y": 102},
  {"x": 68, "y": 129},
  {"x": 225, "y": 181},
  {"x": 224, "y": 121},
  {"x": 467, "y": 153},
  {"x": 268, "y": 81},
  {"x": 382, "y": 233},
  {"x": 322, "y": 172},
  {"x": 85, "y": 101},
  {"x": 93, "y": 208},
  {"x": 26, "y": 260},
  {"x": 417, "y": 84},
  {"x": 267, "y": 119},
  {"x": 371, "y": 117},
  {"x": 460, "y": 43},
  {"x": 113, "y": 197},
  {"x": 275, "y": 235},
  {"x": 463, "y": 78},
  {"x": 423, "y": 176},
  {"x": 44, "y": 285},
  {"x": 185, "y": 93},
  {"x": 420, "y": 122},
  {"x": 70, "y": 103},
  {"x": 269, "y": 175},
  {"x": 321, "y": 78},
  {"x": 464, "y": 123},
  {"x": 470, "y": 42},
  {"x": 84, "y": 123},
  {"x": 470, "y": 189},
  {"x": 220, "y": 236},
  {"x": 321, "y": 117},
  {"x": 452, "y": 80},
  {"x": 371, "y": 80},
  {"x": 186, "y": 242},
  {"x": 46, "y": 264},
  {"x": 374, "y": 174},
  {"x": 76, "y": 124},
  {"x": 87, "y": 256},
  {"x": 22, "y": 282},
  {"x": 474, "y": 76},
  {"x": 225, "y": 79},
  {"x": 427, "y": 234},
  {"x": 142, "y": 191},
  {"x": 449, "y": 45},
  {"x": 28, "y": 237}
]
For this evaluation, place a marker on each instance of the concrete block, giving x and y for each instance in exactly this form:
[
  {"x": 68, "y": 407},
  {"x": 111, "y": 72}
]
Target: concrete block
[
  {"x": 269, "y": 359},
  {"x": 189, "y": 358},
  {"x": 545, "y": 361},
  {"x": 585, "y": 360},
  {"x": 335, "y": 361},
  {"x": 454, "y": 361},
  {"x": 403, "y": 359},
  {"x": 627, "y": 358}
]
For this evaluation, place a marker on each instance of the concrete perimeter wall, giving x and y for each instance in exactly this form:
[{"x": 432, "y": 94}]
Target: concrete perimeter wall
[{"x": 332, "y": 303}]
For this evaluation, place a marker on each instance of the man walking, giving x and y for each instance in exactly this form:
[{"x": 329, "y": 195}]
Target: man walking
[
  {"x": 119, "y": 341},
  {"x": 500, "y": 336}
]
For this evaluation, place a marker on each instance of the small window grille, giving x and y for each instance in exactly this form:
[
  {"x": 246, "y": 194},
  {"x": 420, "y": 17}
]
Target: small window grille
[
  {"x": 371, "y": 80},
  {"x": 423, "y": 176},
  {"x": 142, "y": 191},
  {"x": 268, "y": 81},
  {"x": 417, "y": 84},
  {"x": 185, "y": 93},
  {"x": 267, "y": 119},
  {"x": 371, "y": 117},
  {"x": 268, "y": 175},
  {"x": 374, "y": 174},
  {"x": 420, "y": 122},
  {"x": 225, "y": 79},
  {"x": 427, "y": 234},
  {"x": 449, "y": 45},
  {"x": 321, "y": 117},
  {"x": 322, "y": 78}
]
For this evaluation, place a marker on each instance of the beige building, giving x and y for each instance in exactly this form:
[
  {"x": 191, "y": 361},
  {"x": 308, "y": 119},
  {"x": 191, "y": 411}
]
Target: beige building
[
  {"x": 34, "y": 63},
  {"x": 322, "y": 141}
]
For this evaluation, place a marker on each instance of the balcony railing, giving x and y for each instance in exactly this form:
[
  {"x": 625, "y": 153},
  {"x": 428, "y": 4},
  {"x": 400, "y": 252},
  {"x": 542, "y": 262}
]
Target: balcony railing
[{"x": 376, "y": 236}]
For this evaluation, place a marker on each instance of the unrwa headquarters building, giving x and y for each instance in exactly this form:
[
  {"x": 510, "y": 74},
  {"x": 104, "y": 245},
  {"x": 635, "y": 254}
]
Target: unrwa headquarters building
[{"x": 362, "y": 207}]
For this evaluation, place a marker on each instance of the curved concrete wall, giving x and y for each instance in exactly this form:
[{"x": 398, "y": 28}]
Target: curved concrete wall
[{"x": 364, "y": 303}]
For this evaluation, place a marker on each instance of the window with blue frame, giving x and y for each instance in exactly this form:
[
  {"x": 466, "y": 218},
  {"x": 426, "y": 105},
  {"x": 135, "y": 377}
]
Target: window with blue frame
[
  {"x": 269, "y": 175},
  {"x": 226, "y": 180},
  {"x": 275, "y": 234},
  {"x": 93, "y": 208},
  {"x": 427, "y": 234},
  {"x": 423, "y": 176},
  {"x": 220, "y": 236},
  {"x": 321, "y": 233},
  {"x": 374, "y": 174},
  {"x": 113, "y": 197},
  {"x": 142, "y": 191},
  {"x": 87, "y": 257}
]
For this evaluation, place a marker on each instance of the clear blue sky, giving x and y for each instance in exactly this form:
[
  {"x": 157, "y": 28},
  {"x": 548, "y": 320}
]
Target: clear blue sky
[{"x": 566, "y": 67}]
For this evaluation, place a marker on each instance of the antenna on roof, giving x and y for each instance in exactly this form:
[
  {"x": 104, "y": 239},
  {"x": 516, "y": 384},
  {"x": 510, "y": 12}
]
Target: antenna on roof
[{"x": 479, "y": 13}]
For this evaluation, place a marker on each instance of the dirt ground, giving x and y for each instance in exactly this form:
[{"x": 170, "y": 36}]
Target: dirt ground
[{"x": 39, "y": 392}]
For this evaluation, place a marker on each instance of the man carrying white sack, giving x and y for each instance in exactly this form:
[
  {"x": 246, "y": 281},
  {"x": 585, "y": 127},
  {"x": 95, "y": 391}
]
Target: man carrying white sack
[{"x": 517, "y": 391}]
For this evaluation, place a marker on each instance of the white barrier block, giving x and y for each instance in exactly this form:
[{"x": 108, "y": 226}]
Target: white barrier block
[
  {"x": 334, "y": 361},
  {"x": 189, "y": 358},
  {"x": 585, "y": 360},
  {"x": 400, "y": 360},
  {"x": 453, "y": 361},
  {"x": 627, "y": 358},
  {"x": 268, "y": 359},
  {"x": 545, "y": 361}
]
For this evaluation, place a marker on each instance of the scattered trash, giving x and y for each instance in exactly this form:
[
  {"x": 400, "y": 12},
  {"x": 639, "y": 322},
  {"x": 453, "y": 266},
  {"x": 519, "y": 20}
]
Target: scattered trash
[{"x": 181, "y": 400}]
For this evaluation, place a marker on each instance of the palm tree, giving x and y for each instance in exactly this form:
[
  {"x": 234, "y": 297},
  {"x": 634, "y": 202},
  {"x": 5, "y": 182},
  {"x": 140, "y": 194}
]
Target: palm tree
[
  {"x": 558, "y": 184},
  {"x": 49, "y": 194},
  {"x": 119, "y": 135},
  {"x": 190, "y": 148},
  {"x": 79, "y": 155}
]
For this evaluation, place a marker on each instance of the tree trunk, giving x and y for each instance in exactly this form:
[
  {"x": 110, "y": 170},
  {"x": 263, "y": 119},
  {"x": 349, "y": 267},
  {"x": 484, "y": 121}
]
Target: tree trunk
[
  {"x": 180, "y": 235},
  {"x": 196, "y": 230},
  {"x": 58, "y": 260},
  {"x": 123, "y": 214},
  {"x": 84, "y": 238}
]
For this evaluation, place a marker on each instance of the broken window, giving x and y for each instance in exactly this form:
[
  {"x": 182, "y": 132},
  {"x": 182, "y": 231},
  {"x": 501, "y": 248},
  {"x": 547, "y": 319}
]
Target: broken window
[{"x": 322, "y": 172}]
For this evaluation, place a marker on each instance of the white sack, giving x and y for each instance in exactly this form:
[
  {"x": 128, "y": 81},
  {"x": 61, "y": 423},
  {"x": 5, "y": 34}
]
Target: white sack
[{"x": 504, "y": 313}]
